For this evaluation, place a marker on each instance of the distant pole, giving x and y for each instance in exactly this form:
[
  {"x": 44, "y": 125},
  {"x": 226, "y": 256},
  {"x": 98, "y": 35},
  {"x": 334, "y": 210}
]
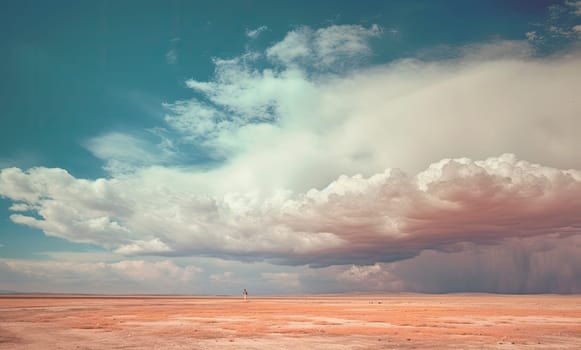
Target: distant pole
[{"x": 245, "y": 294}]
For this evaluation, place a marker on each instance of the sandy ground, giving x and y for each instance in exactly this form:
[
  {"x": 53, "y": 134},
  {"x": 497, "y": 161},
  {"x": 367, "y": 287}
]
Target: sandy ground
[{"x": 323, "y": 322}]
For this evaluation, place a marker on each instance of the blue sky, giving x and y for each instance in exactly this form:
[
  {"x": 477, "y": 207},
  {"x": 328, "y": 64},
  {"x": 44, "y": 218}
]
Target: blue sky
[{"x": 204, "y": 147}]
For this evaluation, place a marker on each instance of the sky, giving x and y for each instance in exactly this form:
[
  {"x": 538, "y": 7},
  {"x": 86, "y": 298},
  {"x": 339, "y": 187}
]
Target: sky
[{"x": 290, "y": 147}]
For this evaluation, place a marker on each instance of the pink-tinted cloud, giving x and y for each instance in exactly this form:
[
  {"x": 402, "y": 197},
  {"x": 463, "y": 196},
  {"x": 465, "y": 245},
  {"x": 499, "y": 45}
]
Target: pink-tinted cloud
[
  {"x": 354, "y": 220},
  {"x": 391, "y": 216}
]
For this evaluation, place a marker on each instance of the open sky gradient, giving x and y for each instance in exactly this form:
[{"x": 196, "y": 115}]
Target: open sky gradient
[{"x": 202, "y": 147}]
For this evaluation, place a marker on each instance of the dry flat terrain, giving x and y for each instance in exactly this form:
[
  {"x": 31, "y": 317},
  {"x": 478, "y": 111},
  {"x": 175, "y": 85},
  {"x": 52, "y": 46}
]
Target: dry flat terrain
[{"x": 323, "y": 322}]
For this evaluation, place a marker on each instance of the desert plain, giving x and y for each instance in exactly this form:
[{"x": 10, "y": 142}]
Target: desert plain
[{"x": 401, "y": 321}]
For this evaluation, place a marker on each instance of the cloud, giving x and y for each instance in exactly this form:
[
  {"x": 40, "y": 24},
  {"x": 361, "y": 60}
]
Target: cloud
[
  {"x": 376, "y": 277},
  {"x": 20, "y": 207},
  {"x": 254, "y": 33},
  {"x": 286, "y": 282},
  {"x": 87, "y": 273},
  {"x": 560, "y": 32},
  {"x": 225, "y": 276},
  {"x": 531, "y": 265},
  {"x": 137, "y": 214},
  {"x": 153, "y": 246},
  {"x": 532, "y": 35},
  {"x": 53, "y": 193},
  {"x": 393, "y": 216},
  {"x": 557, "y": 31},
  {"x": 282, "y": 124},
  {"x": 171, "y": 57},
  {"x": 124, "y": 153},
  {"x": 327, "y": 48},
  {"x": 140, "y": 270},
  {"x": 19, "y": 158},
  {"x": 539, "y": 264},
  {"x": 575, "y": 5},
  {"x": 386, "y": 217},
  {"x": 126, "y": 276}
]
